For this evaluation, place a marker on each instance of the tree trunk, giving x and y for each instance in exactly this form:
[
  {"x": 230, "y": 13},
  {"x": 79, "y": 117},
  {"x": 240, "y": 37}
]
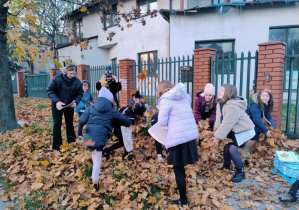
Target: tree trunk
[
  {"x": 7, "y": 109},
  {"x": 31, "y": 67}
]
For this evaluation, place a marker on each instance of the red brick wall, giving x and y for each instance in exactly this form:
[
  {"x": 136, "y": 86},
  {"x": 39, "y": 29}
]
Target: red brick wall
[
  {"x": 271, "y": 61},
  {"x": 81, "y": 71},
  {"x": 125, "y": 77},
  {"x": 202, "y": 69},
  {"x": 21, "y": 84},
  {"x": 52, "y": 72}
]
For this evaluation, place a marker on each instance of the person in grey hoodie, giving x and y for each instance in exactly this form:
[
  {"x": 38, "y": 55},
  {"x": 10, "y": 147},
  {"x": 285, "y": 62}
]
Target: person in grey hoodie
[
  {"x": 231, "y": 119},
  {"x": 86, "y": 102}
]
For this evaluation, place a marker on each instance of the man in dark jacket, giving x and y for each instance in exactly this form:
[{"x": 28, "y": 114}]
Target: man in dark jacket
[
  {"x": 112, "y": 85},
  {"x": 64, "y": 89}
]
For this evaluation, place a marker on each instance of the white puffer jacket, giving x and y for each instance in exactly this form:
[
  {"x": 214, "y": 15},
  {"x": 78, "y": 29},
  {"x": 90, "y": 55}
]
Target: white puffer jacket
[{"x": 175, "y": 112}]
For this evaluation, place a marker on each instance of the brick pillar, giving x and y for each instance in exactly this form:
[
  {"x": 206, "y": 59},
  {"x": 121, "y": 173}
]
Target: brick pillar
[
  {"x": 271, "y": 61},
  {"x": 21, "y": 84},
  {"x": 81, "y": 71},
  {"x": 202, "y": 69},
  {"x": 125, "y": 77},
  {"x": 52, "y": 72}
]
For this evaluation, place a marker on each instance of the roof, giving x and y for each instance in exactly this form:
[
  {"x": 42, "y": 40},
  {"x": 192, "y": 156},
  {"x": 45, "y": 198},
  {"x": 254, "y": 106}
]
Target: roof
[{"x": 167, "y": 12}]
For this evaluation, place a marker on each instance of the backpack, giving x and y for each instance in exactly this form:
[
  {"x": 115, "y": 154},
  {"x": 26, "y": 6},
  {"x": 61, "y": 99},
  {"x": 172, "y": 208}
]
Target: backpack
[{"x": 294, "y": 193}]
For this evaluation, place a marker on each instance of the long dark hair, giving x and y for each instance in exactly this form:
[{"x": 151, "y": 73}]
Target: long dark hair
[{"x": 270, "y": 102}]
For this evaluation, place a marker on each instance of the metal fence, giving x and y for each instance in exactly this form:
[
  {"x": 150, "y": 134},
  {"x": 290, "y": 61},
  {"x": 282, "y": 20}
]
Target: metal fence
[
  {"x": 241, "y": 72},
  {"x": 94, "y": 74},
  {"x": 290, "y": 108},
  {"x": 36, "y": 85},
  {"x": 147, "y": 75}
]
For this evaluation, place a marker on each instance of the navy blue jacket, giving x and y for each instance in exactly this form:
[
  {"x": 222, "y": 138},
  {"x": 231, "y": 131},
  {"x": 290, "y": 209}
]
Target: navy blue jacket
[
  {"x": 99, "y": 119},
  {"x": 256, "y": 114},
  {"x": 63, "y": 89}
]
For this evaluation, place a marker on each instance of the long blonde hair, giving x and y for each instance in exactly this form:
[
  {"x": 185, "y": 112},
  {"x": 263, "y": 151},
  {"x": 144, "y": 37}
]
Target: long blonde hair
[
  {"x": 230, "y": 92},
  {"x": 162, "y": 88}
]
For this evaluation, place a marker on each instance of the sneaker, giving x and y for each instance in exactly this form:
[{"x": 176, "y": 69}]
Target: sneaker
[
  {"x": 238, "y": 177},
  {"x": 179, "y": 202}
]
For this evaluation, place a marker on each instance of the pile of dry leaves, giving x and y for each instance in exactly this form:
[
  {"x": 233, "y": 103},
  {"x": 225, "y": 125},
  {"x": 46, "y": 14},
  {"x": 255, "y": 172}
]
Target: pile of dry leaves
[{"x": 62, "y": 180}]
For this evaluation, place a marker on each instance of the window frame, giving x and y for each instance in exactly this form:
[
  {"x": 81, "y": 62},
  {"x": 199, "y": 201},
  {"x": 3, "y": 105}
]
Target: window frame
[
  {"x": 225, "y": 57},
  {"x": 79, "y": 26},
  {"x": 147, "y": 7},
  {"x": 140, "y": 65},
  {"x": 111, "y": 17}
]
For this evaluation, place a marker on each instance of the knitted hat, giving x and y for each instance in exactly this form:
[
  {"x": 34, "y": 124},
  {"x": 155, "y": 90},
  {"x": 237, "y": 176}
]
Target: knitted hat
[
  {"x": 137, "y": 94},
  {"x": 105, "y": 93},
  {"x": 209, "y": 89},
  {"x": 139, "y": 109}
]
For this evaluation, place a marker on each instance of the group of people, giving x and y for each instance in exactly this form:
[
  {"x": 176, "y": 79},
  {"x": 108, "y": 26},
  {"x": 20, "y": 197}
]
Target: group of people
[{"x": 229, "y": 115}]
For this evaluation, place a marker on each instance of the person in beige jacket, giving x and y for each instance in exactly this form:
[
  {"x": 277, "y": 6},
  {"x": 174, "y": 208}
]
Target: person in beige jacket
[{"x": 232, "y": 122}]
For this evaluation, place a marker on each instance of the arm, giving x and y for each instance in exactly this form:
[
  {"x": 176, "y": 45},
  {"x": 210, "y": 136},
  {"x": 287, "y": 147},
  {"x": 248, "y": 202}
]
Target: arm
[
  {"x": 52, "y": 89},
  {"x": 120, "y": 119},
  {"x": 84, "y": 118},
  {"x": 198, "y": 110},
  {"x": 91, "y": 98},
  {"x": 218, "y": 115},
  {"x": 256, "y": 113},
  {"x": 270, "y": 119},
  {"x": 229, "y": 120},
  {"x": 164, "y": 110},
  {"x": 79, "y": 93}
]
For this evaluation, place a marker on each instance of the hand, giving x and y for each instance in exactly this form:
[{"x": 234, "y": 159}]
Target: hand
[
  {"x": 268, "y": 134},
  {"x": 103, "y": 76},
  {"x": 164, "y": 128},
  {"x": 74, "y": 105},
  {"x": 114, "y": 78},
  {"x": 216, "y": 141},
  {"x": 59, "y": 105},
  {"x": 91, "y": 104},
  {"x": 199, "y": 124}
]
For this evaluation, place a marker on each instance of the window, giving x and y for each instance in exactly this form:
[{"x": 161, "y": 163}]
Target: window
[
  {"x": 290, "y": 36},
  {"x": 79, "y": 28},
  {"x": 224, "y": 48},
  {"x": 226, "y": 1},
  {"x": 111, "y": 19},
  {"x": 148, "y": 61},
  {"x": 145, "y": 5}
]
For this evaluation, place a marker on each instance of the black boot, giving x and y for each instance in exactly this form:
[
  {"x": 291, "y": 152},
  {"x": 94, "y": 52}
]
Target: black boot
[
  {"x": 96, "y": 186},
  {"x": 225, "y": 166},
  {"x": 106, "y": 154},
  {"x": 239, "y": 176}
]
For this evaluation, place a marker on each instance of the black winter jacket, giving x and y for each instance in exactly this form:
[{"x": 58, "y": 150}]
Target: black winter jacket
[
  {"x": 99, "y": 119},
  {"x": 63, "y": 89}
]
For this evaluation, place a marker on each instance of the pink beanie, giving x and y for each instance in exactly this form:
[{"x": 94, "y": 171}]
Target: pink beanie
[{"x": 209, "y": 89}]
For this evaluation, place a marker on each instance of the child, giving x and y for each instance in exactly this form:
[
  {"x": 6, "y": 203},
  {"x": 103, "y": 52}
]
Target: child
[
  {"x": 62, "y": 90},
  {"x": 134, "y": 114},
  {"x": 99, "y": 118},
  {"x": 86, "y": 101},
  {"x": 112, "y": 85},
  {"x": 231, "y": 120},
  {"x": 175, "y": 116},
  {"x": 205, "y": 105},
  {"x": 259, "y": 111},
  {"x": 136, "y": 97}
]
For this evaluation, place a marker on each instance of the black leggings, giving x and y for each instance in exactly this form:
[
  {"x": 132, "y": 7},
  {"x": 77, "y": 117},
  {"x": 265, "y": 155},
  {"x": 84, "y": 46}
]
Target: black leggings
[{"x": 180, "y": 178}]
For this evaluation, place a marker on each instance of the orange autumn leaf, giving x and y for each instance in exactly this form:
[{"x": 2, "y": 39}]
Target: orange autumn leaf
[{"x": 141, "y": 76}]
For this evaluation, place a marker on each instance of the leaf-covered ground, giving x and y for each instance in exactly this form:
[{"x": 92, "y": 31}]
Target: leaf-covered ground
[{"x": 35, "y": 177}]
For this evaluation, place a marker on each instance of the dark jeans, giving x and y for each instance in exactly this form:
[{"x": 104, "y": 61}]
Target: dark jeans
[
  {"x": 57, "y": 118},
  {"x": 116, "y": 101}
]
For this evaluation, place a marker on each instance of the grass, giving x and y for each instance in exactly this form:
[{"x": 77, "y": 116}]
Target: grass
[
  {"x": 41, "y": 106},
  {"x": 51, "y": 123},
  {"x": 35, "y": 200},
  {"x": 119, "y": 176},
  {"x": 4, "y": 185}
]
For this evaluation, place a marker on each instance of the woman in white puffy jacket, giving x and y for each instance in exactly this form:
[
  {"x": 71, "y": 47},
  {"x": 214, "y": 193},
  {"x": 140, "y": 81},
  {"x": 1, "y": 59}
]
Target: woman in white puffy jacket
[{"x": 176, "y": 116}]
